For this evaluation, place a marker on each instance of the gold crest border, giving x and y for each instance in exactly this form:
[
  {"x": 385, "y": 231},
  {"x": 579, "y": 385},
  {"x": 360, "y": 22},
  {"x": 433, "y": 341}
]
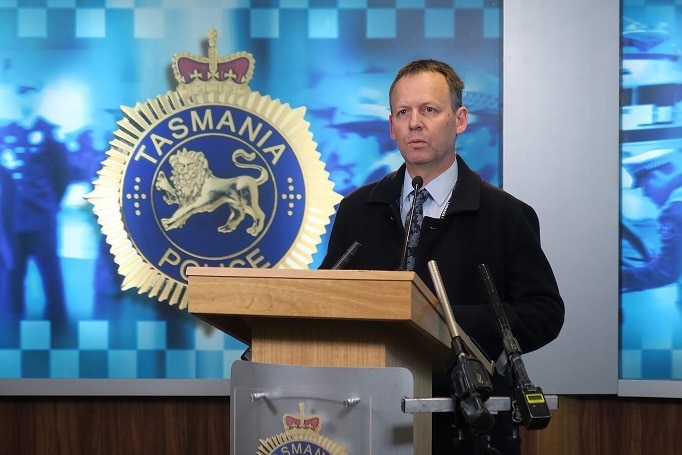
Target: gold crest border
[
  {"x": 268, "y": 445},
  {"x": 137, "y": 121}
]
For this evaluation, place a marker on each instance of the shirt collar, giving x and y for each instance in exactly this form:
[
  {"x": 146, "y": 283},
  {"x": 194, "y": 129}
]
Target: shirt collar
[{"x": 439, "y": 188}]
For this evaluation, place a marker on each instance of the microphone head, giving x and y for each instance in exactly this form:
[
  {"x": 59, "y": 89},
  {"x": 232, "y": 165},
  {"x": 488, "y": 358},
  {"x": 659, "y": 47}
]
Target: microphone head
[{"x": 417, "y": 182}]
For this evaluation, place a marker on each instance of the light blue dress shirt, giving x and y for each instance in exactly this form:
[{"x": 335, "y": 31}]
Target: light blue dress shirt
[{"x": 439, "y": 188}]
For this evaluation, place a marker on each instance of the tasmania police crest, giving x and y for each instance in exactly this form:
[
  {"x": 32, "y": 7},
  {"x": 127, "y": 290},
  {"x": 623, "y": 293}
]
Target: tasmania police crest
[
  {"x": 301, "y": 436},
  {"x": 212, "y": 174}
]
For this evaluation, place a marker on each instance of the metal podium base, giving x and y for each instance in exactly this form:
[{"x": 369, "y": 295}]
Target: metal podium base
[{"x": 297, "y": 409}]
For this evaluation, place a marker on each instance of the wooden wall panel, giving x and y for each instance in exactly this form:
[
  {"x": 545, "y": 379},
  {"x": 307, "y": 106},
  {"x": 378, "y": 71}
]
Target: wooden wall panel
[
  {"x": 583, "y": 425},
  {"x": 608, "y": 425},
  {"x": 124, "y": 426}
]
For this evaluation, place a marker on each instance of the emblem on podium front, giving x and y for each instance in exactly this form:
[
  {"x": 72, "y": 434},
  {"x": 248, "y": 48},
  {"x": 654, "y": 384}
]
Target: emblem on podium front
[
  {"x": 211, "y": 174},
  {"x": 301, "y": 436}
]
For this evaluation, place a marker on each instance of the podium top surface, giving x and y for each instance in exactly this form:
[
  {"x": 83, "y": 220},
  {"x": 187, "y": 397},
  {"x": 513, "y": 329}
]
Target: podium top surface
[
  {"x": 304, "y": 274},
  {"x": 233, "y": 298}
]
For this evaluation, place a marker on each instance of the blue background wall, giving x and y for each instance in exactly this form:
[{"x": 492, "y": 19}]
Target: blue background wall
[{"x": 336, "y": 58}]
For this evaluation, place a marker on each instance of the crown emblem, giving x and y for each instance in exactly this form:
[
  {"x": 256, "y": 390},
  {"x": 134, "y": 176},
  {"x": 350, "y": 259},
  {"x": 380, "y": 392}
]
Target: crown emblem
[
  {"x": 301, "y": 421},
  {"x": 301, "y": 435},
  {"x": 196, "y": 74}
]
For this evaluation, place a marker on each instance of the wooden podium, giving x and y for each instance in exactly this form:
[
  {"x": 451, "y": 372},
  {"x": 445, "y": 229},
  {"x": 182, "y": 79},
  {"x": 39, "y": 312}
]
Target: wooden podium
[{"x": 331, "y": 318}]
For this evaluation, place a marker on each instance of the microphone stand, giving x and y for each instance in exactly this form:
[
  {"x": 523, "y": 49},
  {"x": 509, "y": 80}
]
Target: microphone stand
[
  {"x": 470, "y": 380},
  {"x": 347, "y": 256},
  {"x": 528, "y": 401}
]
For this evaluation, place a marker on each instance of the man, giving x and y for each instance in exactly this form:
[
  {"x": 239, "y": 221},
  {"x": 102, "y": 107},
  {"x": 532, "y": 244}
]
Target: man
[
  {"x": 467, "y": 222},
  {"x": 659, "y": 174},
  {"x": 36, "y": 162}
]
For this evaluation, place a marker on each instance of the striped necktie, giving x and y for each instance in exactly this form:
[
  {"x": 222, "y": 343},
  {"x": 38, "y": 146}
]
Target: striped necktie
[{"x": 417, "y": 218}]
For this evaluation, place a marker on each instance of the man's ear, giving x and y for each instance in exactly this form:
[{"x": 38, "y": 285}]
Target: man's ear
[
  {"x": 390, "y": 126},
  {"x": 462, "y": 117}
]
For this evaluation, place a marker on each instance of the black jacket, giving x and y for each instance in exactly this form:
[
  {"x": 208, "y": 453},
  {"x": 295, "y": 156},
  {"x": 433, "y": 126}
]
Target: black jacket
[{"x": 482, "y": 224}]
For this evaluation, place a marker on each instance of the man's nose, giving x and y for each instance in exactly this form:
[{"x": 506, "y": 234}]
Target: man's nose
[{"x": 415, "y": 120}]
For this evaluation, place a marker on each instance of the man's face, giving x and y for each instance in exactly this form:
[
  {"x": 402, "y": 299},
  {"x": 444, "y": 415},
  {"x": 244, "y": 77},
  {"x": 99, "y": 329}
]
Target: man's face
[
  {"x": 423, "y": 123},
  {"x": 28, "y": 102},
  {"x": 657, "y": 184}
]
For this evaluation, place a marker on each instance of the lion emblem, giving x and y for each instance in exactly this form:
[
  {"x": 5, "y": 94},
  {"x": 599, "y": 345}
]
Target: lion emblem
[{"x": 194, "y": 188}]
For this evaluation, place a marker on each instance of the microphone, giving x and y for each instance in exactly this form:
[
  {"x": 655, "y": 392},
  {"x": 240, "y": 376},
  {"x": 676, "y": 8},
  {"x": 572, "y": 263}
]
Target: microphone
[
  {"x": 347, "y": 256},
  {"x": 417, "y": 183},
  {"x": 528, "y": 399},
  {"x": 470, "y": 379}
]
